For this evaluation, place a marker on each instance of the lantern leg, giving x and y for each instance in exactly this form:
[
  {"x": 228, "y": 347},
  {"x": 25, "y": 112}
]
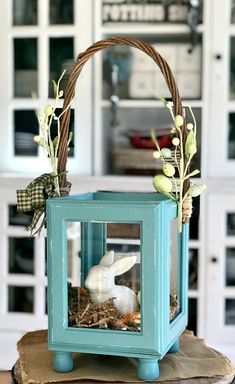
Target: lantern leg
[
  {"x": 175, "y": 347},
  {"x": 148, "y": 369},
  {"x": 63, "y": 361}
]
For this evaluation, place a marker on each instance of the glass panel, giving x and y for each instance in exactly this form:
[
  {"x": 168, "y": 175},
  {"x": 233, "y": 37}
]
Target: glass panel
[
  {"x": 73, "y": 251},
  {"x": 128, "y": 148},
  {"x": 231, "y": 135},
  {"x": 192, "y": 315},
  {"x": 131, "y": 74},
  {"x": 45, "y": 253},
  {"x": 25, "y": 12},
  {"x": 124, "y": 239},
  {"x": 232, "y": 68},
  {"x": 21, "y": 255},
  {"x": 25, "y": 128},
  {"x": 194, "y": 221},
  {"x": 71, "y": 129},
  {"x": 61, "y": 12},
  {"x": 61, "y": 58},
  {"x": 108, "y": 293},
  {"x": 230, "y": 311},
  {"x": 17, "y": 218},
  {"x": 20, "y": 299},
  {"x": 193, "y": 268},
  {"x": 46, "y": 302},
  {"x": 230, "y": 266},
  {"x": 231, "y": 224},
  {"x": 174, "y": 271},
  {"x": 25, "y": 67},
  {"x": 233, "y": 12}
]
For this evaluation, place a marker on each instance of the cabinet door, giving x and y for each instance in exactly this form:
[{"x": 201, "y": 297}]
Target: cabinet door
[
  {"x": 221, "y": 269},
  {"x": 41, "y": 39},
  {"x": 129, "y": 84},
  {"x": 221, "y": 96}
]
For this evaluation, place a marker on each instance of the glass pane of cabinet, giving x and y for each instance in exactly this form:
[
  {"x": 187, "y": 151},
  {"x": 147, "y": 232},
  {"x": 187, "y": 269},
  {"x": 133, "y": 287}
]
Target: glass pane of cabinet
[
  {"x": 21, "y": 255},
  {"x": 230, "y": 266},
  {"x": 54, "y": 130},
  {"x": 20, "y": 299},
  {"x": 25, "y": 67},
  {"x": 131, "y": 74},
  {"x": 129, "y": 148},
  {"x": 25, "y": 128},
  {"x": 61, "y": 11},
  {"x": 193, "y": 268},
  {"x": 231, "y": 224},
  {"x": 25, "y": 12},
  {"x": 232, "y": 68},
  {"x": 17, "y": 218},
  {"x": 232, "y": 11},
  {"x": 230, "y": 311},
  {"x": 192, "y": 315},
  {"x": 231, "y": 135},
  {"x": 61, "y": 57}
]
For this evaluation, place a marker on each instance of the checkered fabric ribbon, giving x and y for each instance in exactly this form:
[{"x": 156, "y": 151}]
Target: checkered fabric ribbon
[{"x": 33, "y": 198}]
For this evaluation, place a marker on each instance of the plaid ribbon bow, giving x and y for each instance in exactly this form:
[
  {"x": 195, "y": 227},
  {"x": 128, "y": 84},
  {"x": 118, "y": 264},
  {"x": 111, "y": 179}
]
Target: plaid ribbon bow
[{"x": 33, "y": 198}]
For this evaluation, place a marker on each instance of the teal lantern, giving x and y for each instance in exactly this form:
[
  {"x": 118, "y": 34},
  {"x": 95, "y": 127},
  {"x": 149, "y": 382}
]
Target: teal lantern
[
  {"x": 117, "y": 262},
  {"x": 130, "y": 297}
]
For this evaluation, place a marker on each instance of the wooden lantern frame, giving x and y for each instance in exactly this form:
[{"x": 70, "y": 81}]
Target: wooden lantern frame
[{"x": 158, "y": 335}]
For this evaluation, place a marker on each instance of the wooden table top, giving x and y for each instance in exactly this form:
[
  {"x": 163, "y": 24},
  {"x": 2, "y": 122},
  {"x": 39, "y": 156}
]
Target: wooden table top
[{"x": 5, "y": 378}]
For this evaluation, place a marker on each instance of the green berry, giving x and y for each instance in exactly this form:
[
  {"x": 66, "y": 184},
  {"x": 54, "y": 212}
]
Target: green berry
[
  {"x": 48, "y": 110},
  {"x": 178, "y": 120},
  {"x": 156, "y": 154},
  {"x": 168, "y": 169},
  {"x": 166, "y": 153},
  {"x": 162, "y": 184},
  {"x": 175, "y": 141},
  {"x": 190, "y": 126},
  {"x": 196, "y": 190}
]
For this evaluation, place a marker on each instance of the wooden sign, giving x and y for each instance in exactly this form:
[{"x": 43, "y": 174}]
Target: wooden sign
[{"x": 151, "y": 11}]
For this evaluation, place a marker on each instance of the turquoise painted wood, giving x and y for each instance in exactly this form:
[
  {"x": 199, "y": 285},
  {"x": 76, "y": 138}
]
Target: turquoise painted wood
[{"x": 158, "y": 335}]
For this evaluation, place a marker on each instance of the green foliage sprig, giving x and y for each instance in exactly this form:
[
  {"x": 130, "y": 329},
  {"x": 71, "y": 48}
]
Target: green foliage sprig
[
  {"x": 44, "y": 139},
  {"x": 179, "y": 158}
]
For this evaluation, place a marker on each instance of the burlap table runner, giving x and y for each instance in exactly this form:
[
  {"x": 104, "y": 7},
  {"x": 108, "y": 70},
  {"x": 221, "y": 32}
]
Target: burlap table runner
[{"x": 195, "y": 363}]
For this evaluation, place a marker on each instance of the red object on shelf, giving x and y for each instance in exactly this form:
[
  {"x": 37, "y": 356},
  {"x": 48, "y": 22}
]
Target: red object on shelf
[{"x": 146, "y": 142}]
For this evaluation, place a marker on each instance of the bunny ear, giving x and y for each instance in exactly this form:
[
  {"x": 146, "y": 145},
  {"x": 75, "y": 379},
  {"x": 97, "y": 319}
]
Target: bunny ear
[
  {"x": 107, "y": 259},
  {"x": 123, "y": 265}
]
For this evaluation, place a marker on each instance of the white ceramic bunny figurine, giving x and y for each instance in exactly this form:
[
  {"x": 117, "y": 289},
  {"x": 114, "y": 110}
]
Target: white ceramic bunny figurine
[{"x": 101, "y": 285}]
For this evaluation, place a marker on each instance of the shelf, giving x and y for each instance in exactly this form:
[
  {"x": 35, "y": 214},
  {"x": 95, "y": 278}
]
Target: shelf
[
  {"x": 193, "y": 294},
  {"x": 194, "y": 244},
  {"x": 149, "y": 103},
  {"x": 232, "y": 30},
  {"x": 117, "y": 29}
]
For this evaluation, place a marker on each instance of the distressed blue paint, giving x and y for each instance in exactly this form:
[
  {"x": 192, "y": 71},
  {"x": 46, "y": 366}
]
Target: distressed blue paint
[
  {"x": 148, "y": 369},
  {"x": 175, "y": 347},
  {"x": 63, "y": 362},
  {"x": 154, "y": 213}
]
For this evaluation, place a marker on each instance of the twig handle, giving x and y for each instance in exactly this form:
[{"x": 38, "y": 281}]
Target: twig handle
[{"x": 81, "y": 61}]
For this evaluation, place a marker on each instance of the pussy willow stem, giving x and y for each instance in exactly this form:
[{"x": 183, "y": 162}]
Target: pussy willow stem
[
  {"x": 195, "y": 134},
  {"x": 180, "y": 202},
  {"x": 181, "y": 176},
  {"x": 176, "y": 187},
  {"x": 187, "y": 165},
  {"x": 175, "y": 158}
]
